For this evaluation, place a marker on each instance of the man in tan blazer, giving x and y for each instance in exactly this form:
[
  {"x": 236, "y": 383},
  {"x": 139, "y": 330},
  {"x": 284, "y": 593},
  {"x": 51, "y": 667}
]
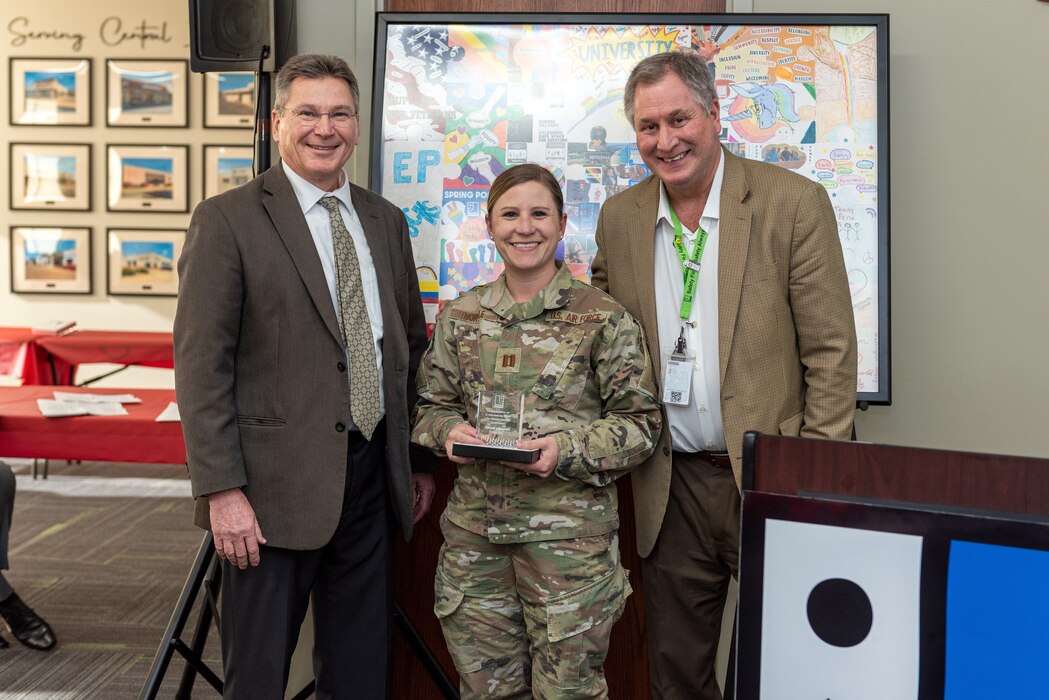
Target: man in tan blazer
[
  {"x": 735, "y": 270},
  {"x": 298, "y": 467}
]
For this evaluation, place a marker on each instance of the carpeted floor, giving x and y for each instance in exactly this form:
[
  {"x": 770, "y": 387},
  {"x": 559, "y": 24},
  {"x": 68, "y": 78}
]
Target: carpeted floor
[{"x": 101, "y": 551}]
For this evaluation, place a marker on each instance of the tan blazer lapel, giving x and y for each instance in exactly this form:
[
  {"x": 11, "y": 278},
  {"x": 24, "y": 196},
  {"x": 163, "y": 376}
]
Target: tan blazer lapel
[
  {"x": 283, "y": 208},
  {"x": 642, "y": 227},
  {"x": 734, "y": 236}
]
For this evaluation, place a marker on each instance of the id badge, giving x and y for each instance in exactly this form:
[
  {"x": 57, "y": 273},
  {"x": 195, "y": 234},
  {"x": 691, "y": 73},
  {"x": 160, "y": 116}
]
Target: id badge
[{"x": 677, "y": 378}]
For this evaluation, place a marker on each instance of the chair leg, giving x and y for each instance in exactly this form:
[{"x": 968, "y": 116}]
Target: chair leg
[{"x": 204, "y": 573}]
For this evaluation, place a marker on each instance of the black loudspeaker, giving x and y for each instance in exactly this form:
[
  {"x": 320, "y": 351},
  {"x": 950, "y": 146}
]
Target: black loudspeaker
[{"x": 231, "y": 35}]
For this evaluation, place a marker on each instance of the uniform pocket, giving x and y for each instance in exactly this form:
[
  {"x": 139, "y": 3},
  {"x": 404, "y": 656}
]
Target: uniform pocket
[
  {"x": 564, "y": 378},
  {"x": 585, "y": 608},
  {"x": 448, "y": 607},
  {"x": 467, "y": 344}
]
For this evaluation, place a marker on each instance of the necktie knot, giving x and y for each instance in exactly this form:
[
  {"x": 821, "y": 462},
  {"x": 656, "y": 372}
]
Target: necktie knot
[{"x": 331, "y": 203}]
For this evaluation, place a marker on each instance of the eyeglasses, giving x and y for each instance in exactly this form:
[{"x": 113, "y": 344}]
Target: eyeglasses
[{"x": 311, "y": 118}]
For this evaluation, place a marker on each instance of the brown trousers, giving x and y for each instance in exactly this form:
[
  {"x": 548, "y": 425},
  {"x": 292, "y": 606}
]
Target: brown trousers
[{"x": 686, "y": 579}]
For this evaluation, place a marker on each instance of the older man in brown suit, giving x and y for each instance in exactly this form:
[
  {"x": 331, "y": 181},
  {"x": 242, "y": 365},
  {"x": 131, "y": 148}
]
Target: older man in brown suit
[
  {"x": 298, "y": 333},
  {"x": 735, "y": 270}
]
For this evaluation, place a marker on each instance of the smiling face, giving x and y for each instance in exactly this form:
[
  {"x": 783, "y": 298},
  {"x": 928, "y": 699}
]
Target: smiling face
[
  {"x": 676, "y": 136},
  {"x": 526, "y": 227},
  {"x": 318, "y": 152}
]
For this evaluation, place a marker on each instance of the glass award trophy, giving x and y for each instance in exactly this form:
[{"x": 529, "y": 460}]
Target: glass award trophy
[{"x": 500, "y": 422}]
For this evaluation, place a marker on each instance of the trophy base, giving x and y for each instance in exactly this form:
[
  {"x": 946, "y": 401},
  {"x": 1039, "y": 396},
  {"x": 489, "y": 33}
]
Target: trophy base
[{"x": 496, "y": 452}]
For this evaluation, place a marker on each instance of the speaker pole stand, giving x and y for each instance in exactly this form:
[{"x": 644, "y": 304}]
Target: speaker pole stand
[{"x": 262, "y": 144}]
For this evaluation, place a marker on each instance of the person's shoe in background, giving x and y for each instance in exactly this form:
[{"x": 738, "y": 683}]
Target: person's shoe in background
[{"x": 27, "y": 627}]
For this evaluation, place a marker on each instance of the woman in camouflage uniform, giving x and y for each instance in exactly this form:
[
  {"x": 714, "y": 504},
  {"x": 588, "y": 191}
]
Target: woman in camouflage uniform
[{"x": 529, "y": 581}]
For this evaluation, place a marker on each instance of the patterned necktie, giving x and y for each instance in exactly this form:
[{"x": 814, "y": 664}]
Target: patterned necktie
[{"x": 354, "y": 324}]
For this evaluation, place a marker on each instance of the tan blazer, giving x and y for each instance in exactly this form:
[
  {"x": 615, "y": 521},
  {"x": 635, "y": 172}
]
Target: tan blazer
[
  {"x": 259, "y": 366},
  {"x": 786, "y": 334}
]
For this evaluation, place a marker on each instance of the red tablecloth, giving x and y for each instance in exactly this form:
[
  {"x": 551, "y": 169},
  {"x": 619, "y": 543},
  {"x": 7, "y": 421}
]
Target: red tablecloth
[
  {"x": 117, "y": 347},
  {"x": 21, "y": 356},
  {"x": 67, "y": 351},
  {"x": 136, "y": 437}
]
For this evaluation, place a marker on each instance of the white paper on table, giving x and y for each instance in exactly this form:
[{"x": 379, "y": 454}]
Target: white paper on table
[
  {"x": 61, "y": 409},
  {"x": 170, "y": 414},
  {"x": 96, "y": 398}
]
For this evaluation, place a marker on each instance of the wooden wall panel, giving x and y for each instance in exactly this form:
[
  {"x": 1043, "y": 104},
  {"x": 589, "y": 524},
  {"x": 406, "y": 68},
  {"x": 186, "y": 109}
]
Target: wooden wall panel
[
  {"x": 646, "y": 6},
  {"x": 627, "y": 663}
]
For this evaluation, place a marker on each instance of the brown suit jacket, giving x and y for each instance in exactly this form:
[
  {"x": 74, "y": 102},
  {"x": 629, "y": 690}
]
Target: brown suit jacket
[
  {"x": 259, "y": 365},
  {"x": 786, "y": 332}
]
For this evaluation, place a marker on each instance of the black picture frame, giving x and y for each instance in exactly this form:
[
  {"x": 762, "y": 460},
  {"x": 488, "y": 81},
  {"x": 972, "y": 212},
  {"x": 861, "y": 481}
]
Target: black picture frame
[
  {"x": 142, "y": 261},
  {"x": 147, "y": 178},
  {"x": 53, "y": 106},
  {"x": 41, "y": 178},
  {"x": 51, "y": 267},
  {"x": 147, "y": 93},
  {"x": 223, "y": 112}
]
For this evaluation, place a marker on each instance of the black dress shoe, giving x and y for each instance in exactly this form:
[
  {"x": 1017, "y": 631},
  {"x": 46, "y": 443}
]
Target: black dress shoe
[{"x": 27, "y": 627}]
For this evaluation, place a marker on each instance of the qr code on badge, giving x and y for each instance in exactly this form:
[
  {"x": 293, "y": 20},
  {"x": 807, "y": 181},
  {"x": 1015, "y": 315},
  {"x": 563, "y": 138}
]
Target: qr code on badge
[{"x": 675, "y": 397}]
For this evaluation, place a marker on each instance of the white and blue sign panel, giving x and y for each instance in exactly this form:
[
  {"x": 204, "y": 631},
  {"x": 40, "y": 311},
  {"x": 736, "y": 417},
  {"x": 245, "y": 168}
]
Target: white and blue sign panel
[{"x": 848, "y": 601}]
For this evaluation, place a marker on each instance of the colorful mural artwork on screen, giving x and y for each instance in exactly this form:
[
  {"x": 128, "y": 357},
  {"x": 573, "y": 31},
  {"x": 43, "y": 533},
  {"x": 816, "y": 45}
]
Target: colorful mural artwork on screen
[{"x": 461, "y": 103}]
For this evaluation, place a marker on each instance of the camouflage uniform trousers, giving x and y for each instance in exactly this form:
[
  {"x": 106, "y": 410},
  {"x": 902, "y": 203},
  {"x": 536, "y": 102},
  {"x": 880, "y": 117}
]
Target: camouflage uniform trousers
[{"x": 557, "y": 598}]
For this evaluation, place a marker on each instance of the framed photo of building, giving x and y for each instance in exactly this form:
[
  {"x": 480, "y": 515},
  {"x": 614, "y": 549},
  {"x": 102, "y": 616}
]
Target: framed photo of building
[
  {"x": 147, "y": 93},
  {"x": 50, "y": 176},
  {"x": 226, "y": 167},
  {"x": 50, "y": 260},
  {"x": 50, "y": 91},
  {"x": 147, "y": 178},
  {"x": 229, "y": 100},
  {"x": 142, "y": 262}
]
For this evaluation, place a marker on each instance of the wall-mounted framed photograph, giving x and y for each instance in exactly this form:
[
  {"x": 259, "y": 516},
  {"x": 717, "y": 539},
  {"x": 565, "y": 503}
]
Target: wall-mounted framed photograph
[
  {"x": 147, "y": 93},
  {"x": 50, "y": 260},
  {"x": 143, "y": 261},
  {"x": 50, "y": 91},
  {"x": 226, "y": 167},
  {"x": 50, "y": 176},
  {"x": 147, "y": 178},
  {"x": 229, "y": 100}
]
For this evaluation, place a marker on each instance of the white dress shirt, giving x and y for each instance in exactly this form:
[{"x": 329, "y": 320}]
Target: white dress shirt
[
  {"x": 698, "y": 425},
  {"x": 319, "y": 222}
]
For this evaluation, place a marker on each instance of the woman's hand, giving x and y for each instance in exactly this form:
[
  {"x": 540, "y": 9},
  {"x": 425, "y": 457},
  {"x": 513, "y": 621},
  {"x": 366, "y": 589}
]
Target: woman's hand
[
  {"x": 547, "y": 462},
  {"x": 462, "y": 432}
]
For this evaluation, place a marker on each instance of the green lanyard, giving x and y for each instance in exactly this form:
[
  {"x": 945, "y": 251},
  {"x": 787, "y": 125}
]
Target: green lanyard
[{"x": 689, "y": 264}]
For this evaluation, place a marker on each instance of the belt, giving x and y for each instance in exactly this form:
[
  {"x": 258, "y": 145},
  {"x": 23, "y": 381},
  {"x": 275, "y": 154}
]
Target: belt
[{"x": 718, "y": 459}]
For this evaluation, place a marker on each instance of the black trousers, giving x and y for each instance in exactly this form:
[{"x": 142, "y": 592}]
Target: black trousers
[
  {"x": 349, "y": 579},
  {"x": 7, "y": 507}
]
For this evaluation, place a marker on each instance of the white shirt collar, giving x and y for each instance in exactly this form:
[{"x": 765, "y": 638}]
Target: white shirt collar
[
  {"x": 309, "y": 194},
  {"x": 712, "y": 209}
]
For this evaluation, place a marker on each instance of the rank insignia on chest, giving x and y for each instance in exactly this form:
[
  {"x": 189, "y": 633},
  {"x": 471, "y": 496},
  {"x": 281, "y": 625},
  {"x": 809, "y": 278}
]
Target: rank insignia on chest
[{"x": 508, "y": 360}]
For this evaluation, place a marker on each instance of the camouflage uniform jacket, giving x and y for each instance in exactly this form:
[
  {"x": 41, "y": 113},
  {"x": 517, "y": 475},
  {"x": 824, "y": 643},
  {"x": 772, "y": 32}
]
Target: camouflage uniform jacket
[{"x": 581, "y": 361}]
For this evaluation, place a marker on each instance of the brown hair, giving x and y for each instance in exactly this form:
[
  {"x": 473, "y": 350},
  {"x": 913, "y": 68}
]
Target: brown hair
[
  {"x": 685, "y": 64},
  {"x": 313, "y": 67},
  {"x": 520, "y": 174}
]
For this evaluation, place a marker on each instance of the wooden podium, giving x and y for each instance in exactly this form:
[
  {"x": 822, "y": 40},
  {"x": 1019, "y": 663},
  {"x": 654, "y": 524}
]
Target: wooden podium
[{"x": 871, "y": 571}]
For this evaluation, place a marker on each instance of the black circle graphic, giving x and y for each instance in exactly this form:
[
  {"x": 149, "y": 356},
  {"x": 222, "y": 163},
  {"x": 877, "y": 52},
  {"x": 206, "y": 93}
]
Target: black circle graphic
[{"x": 840, "y": 612}]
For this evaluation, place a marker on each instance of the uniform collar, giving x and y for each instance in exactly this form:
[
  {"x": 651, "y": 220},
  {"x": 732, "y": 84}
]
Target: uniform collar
[{"x": 496, "y": 297}]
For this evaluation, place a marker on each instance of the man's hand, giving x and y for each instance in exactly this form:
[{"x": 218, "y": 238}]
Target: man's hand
[
  {"x": 237, "y": 534},
  {"x": 462, "y": 432},
  {"x": 422, "y": 494},
  {"x": 547, "y": 462}
]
